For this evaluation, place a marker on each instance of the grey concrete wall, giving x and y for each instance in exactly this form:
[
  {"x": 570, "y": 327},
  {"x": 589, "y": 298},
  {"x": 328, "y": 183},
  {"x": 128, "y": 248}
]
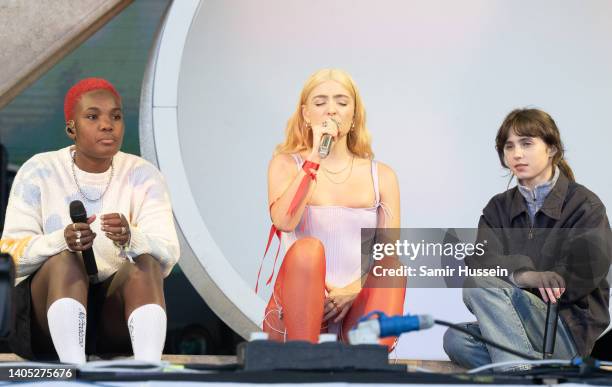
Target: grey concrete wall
[{"x": 36, "y": 34}]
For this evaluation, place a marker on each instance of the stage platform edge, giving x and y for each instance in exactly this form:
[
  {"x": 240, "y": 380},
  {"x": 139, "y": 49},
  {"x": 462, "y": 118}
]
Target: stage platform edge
[{"x": 438, "y": 366}]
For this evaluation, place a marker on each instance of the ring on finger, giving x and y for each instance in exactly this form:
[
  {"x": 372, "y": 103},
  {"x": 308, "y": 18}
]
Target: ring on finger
[
  {"x": 78, "y": 241},
  {"x": 123, "y": 230},
  {"x": 78, "y": 234}
]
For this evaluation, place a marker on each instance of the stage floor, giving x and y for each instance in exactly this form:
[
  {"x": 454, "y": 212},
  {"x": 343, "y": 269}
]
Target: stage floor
[
  {"x": 444, "y": 367},
  {"x": 183, "y": 370}
]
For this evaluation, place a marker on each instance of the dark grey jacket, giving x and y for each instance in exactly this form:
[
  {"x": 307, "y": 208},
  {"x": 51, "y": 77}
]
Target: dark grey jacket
[{"x": 571, "y": 236}]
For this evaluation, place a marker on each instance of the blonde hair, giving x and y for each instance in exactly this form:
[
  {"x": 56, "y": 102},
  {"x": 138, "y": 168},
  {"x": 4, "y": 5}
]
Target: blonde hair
[{"x": 298, "y": 136}]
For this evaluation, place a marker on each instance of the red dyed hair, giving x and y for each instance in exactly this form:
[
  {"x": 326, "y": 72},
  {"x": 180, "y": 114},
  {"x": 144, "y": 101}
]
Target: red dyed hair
[{"x": 83, "y": 86}]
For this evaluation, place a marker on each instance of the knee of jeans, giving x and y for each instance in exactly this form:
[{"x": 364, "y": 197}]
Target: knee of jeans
[
  {"x": 471, "y": 293},
  {"x": 453, "y": 343},
  {"x": 476, "y": 287}
]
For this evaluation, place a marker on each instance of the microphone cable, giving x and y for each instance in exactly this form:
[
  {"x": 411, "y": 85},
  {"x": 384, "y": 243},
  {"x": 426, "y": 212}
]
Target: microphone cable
[{"x": 396, "y": 325}]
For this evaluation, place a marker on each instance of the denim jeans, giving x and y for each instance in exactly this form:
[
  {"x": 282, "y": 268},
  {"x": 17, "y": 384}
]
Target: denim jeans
[{"x": 506, "y": 315}]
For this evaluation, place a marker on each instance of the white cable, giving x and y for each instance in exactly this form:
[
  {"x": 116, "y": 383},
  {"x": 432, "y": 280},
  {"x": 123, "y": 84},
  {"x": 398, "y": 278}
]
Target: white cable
[
  {"x": 519, "y": 362},
  {"x": 284, "y": 333},
  {"x": 279, "y": 310},
  {"x": 123, "y": 365},
  {"x": 420, "y": 369},
  {"x": 394, "y": 354}
]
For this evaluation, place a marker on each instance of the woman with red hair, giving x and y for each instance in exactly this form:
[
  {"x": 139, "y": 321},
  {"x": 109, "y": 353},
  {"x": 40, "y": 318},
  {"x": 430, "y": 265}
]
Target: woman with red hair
[{"x": 130, "y": 229}]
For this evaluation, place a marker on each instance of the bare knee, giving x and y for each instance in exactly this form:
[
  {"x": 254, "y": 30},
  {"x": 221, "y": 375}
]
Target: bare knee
[
  {"x": 146, "y": 271},
  {"x": 148, "y": 263},
  {"x": 66, "y": 268},
  {"x": 143, "y": 284},
  {"x": 61, "y": 275}
]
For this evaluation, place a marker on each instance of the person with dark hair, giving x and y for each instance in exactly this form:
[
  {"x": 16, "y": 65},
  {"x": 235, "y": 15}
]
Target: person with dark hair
[
  {"x": 551, "y": 234},
  {"x": 130, "y": 229}
]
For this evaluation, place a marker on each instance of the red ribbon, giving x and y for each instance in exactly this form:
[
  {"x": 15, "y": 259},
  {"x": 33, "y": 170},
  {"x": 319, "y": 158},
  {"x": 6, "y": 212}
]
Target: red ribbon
[
  {"x": 308, "y": 166},
  {"x": 303, "y": 187},
  {"x": 273, "y": 231}
]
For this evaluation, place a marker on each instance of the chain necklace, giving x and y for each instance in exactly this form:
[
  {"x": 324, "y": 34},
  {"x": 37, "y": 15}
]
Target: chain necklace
[
  {"x": 325, "y": 172},
  {"x": 341, "y": 170},
  {"x": 79, "y": 186}
]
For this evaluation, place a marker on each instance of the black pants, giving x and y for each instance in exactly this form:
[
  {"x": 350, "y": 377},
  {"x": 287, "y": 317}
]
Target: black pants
[{"x": 30, "y": 343}]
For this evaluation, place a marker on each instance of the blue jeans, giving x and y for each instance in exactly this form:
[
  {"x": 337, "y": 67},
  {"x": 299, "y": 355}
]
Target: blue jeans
[{"x": 506, "y": 315}]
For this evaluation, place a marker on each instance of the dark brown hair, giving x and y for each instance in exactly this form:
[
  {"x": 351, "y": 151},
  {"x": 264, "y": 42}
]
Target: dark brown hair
[{"x": 533, "y": 123}]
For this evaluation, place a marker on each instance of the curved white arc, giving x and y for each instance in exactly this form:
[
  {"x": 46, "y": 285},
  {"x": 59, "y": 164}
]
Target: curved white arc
[
  {"x": 170, "y": 52},
  {"x": 226, "y": 61},
  {"x": 193, "y": 227},
  {"x": 167, "y": 145}
]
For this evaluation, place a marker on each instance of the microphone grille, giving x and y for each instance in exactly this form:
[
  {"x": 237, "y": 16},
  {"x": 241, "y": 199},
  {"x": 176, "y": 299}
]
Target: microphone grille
[{"x": 77, "y": 208}]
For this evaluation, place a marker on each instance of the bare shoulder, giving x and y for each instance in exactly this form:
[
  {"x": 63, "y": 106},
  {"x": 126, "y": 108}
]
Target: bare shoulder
[
  {"x": 386, "y": 174},
  {"x": 282, "y": 163},
  {"x": 389, "y": 192}
]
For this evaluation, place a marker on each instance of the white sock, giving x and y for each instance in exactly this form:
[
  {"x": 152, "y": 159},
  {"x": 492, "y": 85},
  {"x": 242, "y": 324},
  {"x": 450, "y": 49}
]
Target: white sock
[
  {"x": 67, "y": 319},
  {"x": 147, "y": 325}
]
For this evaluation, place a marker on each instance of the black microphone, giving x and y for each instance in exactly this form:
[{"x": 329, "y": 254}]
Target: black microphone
[
  {"x": 79, "y": 215},
  {"x": 550, "y": 329}
]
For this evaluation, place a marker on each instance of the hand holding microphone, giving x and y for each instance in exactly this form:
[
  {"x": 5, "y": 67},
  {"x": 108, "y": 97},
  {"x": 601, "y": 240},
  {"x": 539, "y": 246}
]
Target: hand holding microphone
[
  {"x": 323, "y": 136},
  {"x": 81, "y": 238},
  {"x": 78, "y": 235},
  {"x": 550, "y": 284}
]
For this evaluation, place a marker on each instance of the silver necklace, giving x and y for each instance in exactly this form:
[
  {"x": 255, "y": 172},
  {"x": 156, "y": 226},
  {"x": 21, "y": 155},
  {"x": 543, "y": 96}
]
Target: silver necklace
[
  {"x": 345, "y": 179},
  {"x": 340, "y": 170},
  {"x": 79, "y": 186}
]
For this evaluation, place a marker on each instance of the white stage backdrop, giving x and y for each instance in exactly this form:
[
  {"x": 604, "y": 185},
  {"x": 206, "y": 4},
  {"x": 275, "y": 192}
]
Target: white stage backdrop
[{"x": 437, "y": 78}]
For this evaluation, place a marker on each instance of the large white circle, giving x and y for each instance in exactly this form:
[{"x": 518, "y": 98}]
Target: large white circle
[{"x": 437, "y": 78}]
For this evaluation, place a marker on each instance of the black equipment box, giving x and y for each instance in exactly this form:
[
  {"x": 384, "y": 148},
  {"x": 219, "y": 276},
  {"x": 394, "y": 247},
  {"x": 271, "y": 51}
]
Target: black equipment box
[{"x": 266, "y": 355}]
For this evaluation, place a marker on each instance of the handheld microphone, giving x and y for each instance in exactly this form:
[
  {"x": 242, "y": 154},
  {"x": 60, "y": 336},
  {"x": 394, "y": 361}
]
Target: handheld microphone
[
  {"x": 79, "y": 215},
  {"x": 550, "y": 329},
  {"x": 326, "y": 143},
  {"x": 369, "y": 331}
]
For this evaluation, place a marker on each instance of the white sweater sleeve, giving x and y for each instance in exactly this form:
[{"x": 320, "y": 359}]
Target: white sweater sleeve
[
  {"x": 23, "y": 235},
  {"x": 152, "y": 224}
]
